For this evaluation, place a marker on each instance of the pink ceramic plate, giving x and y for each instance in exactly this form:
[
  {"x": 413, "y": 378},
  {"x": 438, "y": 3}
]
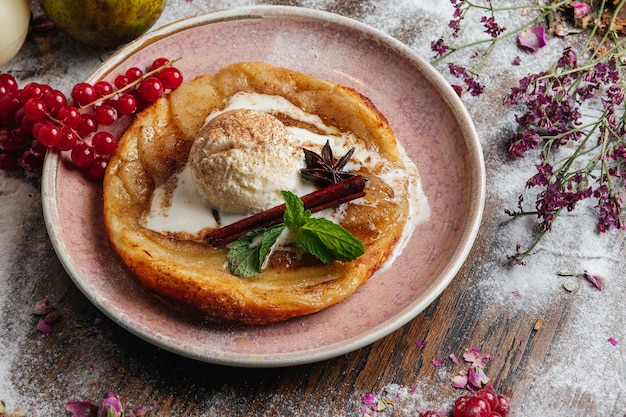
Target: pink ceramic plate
[{"x": 427, "y": 117}]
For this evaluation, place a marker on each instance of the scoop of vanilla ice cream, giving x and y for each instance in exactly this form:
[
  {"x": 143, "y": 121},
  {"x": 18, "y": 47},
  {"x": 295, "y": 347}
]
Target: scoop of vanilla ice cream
[{"x": 242, "y": 159}]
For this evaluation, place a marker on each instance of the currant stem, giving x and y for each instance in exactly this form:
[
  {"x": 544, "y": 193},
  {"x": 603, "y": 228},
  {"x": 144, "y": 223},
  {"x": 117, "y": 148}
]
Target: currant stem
[{"x": 130, "y": 85}]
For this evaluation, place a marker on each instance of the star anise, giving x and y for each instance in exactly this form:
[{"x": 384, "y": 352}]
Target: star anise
[{"x": 322, "y": 169}]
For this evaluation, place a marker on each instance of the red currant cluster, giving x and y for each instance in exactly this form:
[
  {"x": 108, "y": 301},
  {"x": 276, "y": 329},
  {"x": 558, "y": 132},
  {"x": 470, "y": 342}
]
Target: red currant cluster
[
  {"x": 37, "y": 117},
  {"x": 484, "y": 403}
]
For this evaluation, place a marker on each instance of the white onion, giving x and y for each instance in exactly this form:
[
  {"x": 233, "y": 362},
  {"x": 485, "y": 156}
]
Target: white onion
[{"x": 14, "y": 20}]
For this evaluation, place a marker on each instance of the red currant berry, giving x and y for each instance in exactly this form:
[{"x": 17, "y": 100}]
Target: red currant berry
[
  {"x": 54, "y": 100},
  {"x": 22, "y": 137},
  {"x": 139, "y": 100},
  {"x": 30, "y": 161},
  {"x": 503, "y": 405},
  {"x": 18, "y": 116},
  {"x": 98, "y": 167},
  {"x": 106, "y": 114},
  {"x": 84, "y": 94},
  {"x": 44, "y": 89},
  {"x": 121, "y": 81},
  {"x": 35, "y": 109},
  {"x": 82, "y": 155},
  {"x": 158, "y": 63},
  {"x": 37, "y": 149},
  {"x": 22, "y": 121},
  {"x": 133, "y": 74},
  {"x": 103, "y": 88},
  {"x": 459, "y": 406},
  {"x": 68, "y": 140},
  {"x": 492, "y": 414},
  {"x": 5, "y": 133},
  {"x": 49, "y": 135},
  {"x": 103, "y": 143},
  {"x": 4, "y": 136},
  {"x": 489, "y": 395},
  {"x": 34, "y": 90},
  {"x": 9, "y": 105},
  {"x": 126, "y": 104},
  {"x": 69, "y": 116},
  {"x": 8, "y": 82},
  {"x": 9, "y": 162},
  {"x": 26, "y": 124},
  {"x": 34, "y": 131},
  {"x": 87, "y": 125},
  {"x": 171, "y": 77},
  {"x": 151, "y": 89},
  {"x": 476, "y": 407},
  {"x": 8, "y": 141}
]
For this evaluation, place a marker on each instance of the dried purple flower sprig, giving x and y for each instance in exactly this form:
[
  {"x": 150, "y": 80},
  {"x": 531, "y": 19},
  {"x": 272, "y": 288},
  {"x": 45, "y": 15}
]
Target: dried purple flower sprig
[
  {"x": 581, "y": 157},
  {"x": 581, "y": 150},
  {"x": 483, "y": 48}
]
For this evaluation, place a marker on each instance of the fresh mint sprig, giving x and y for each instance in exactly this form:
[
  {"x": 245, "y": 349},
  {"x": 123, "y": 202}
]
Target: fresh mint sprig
[{"x": 320, "y": 237}]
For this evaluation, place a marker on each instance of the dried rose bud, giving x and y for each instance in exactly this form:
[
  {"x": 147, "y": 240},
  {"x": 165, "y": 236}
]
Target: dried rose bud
[
  {"x": 533, "y": 38},
  {"x": 457, "y": 89},
  {"x": 42, "y": 24},
  {"x": 141, "y": 411},
  {"x": 81, "y": 409},
  {"x": 52, "y": 317},
  {"x": 580, "y": 9},
  {"x": 460, "y": 381},
  {"x": 110, "y": 406},
  {"x": 44, "y": 327},
  {"x": 597, "y": 281},
  {"x": 42, "y": 307}
]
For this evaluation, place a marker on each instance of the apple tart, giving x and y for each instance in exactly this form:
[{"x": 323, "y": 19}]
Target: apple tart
[{"x": 179, "y": 265}]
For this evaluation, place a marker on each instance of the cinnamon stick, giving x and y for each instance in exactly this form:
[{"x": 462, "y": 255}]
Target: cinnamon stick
[
  {"x": 220, "y": 241},
  {"x": 333, "y": 195}
]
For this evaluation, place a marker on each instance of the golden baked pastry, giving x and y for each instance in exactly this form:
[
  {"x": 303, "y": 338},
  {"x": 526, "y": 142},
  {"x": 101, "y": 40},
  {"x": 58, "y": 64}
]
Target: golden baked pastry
[{"x": 190, "y": 274}]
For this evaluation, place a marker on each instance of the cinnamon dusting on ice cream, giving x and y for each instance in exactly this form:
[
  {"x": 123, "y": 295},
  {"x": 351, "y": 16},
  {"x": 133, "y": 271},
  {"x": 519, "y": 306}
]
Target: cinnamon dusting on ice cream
[{"x": 242, "y": 159}]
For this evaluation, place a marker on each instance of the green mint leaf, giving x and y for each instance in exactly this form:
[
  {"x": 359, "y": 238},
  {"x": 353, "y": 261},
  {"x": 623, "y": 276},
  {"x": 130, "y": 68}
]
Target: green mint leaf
[
  {"x": 343, "y": 245},
  {"x": 294, "y": 217},
  {"x": 243, "y": 257},
  {"x": 246, "y": 255},
  {"x": 270, "y": 235},
  {"x": 311, "y": 243}
]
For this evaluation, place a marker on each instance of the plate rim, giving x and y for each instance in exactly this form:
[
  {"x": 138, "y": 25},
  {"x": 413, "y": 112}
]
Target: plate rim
[{"x": 453, "y": 102}]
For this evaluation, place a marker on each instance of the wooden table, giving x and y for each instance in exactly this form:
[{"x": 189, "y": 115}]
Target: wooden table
[{"x": 565, "y": 367}]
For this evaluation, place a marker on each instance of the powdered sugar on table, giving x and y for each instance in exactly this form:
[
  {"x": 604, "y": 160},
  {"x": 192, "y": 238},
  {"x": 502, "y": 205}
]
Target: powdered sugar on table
[{"x": 581, "y": 358}]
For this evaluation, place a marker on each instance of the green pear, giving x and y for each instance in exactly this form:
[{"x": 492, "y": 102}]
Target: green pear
[{"x": 104, "y": 23}]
